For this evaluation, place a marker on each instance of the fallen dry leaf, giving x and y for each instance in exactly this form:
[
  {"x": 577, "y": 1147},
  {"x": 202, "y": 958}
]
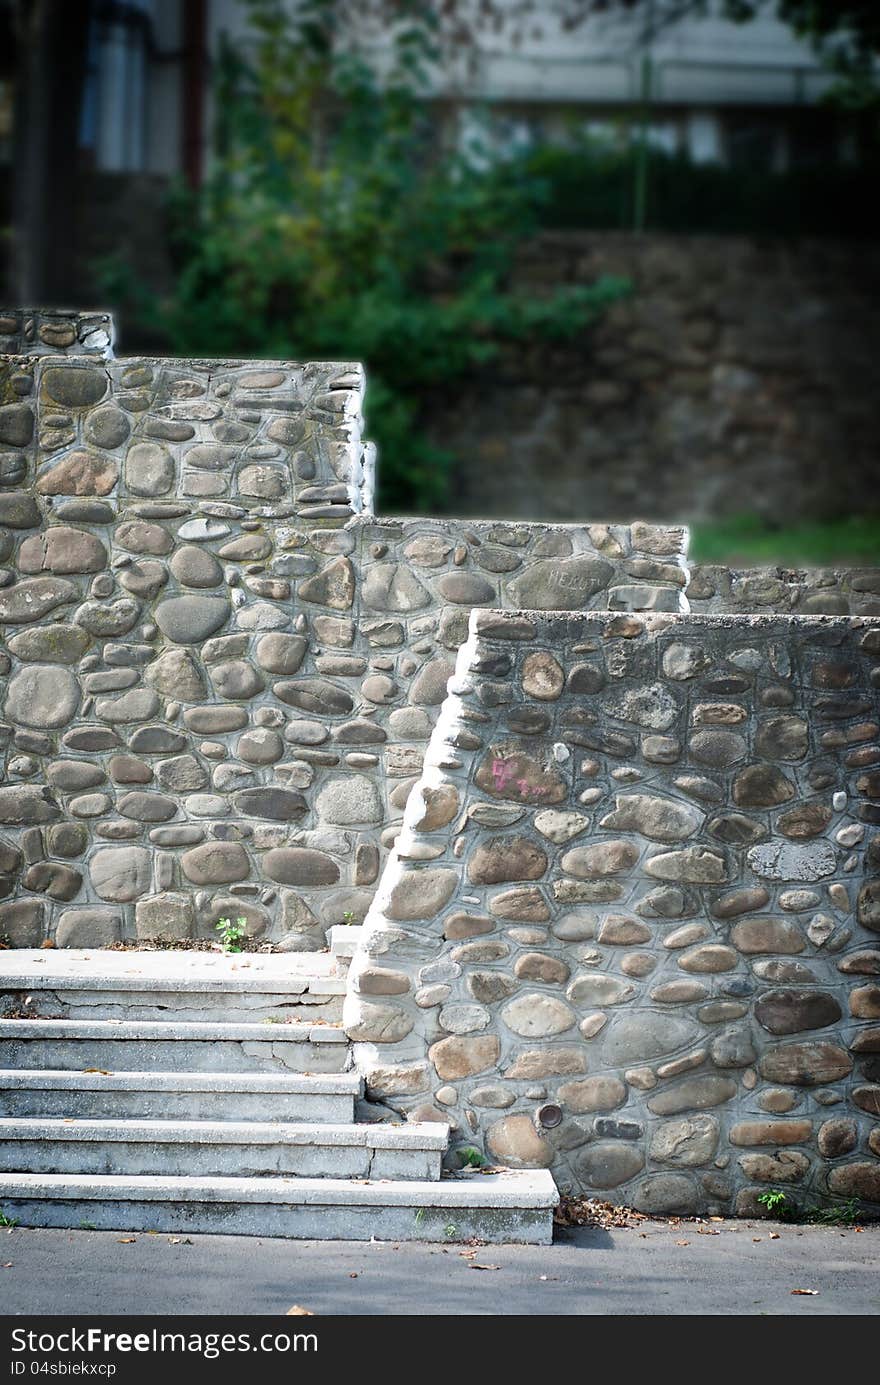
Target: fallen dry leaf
[
  {"x": 297, "y": 1312},
  {"x": 353, "y": 1275},
  {"x": 7, "y": 1264},
  {"x": 806, "y": 1292},
  {"x": 682, "y": 1243},
  {"x": 592, "y": 1211},
  {"x": 103, "y": 1071},
  {"x": 475, "y": 1266},
  {"x": 774, "y": 1235},
  {"x": 127, "y": 1240}
]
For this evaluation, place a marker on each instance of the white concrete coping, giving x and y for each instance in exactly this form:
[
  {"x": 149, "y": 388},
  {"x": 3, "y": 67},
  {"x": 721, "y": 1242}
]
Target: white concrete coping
[
  {"x": 272, "y": 1083},
  {"x": 523, "y": 1189},
  {"x": 79, "y": 969},
  {"x": 375, "y": 1135},
  {"x": 285, "y": 1031},
  {"x": 344, "y": 939}
]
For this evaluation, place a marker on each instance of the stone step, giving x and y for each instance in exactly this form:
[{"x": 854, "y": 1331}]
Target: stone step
[
  {"x": 159, "y": 985},
  {"x": 508, "y": 1206},
  {"x": 344, "y": 939},
  {"x": 169, "y": 1096},
  {"x": 172, "y": 1046},
  {"x": 248, "y": 1149}
]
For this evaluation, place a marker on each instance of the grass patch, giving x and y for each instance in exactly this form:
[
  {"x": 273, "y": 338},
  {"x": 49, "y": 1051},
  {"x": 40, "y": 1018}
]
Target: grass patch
[{"x": 749, "y": 541}]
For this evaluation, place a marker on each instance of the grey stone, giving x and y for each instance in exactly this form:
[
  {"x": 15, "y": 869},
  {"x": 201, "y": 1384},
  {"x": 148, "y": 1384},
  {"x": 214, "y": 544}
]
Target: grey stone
[
  {"x": 19, "y": 510},
  {"x": 149, "y": 469},
  {"x": 392, "y": 587},
  {"x": 607, "y": 1164},
  {"x": 177, "y": 674},
  {"x": 31, "y": 600},
  {"x": 235, "y": 679},
  {"x": 660, "y": 819},
  {"x": 215, "y": 863},
  {"x": 22, "y": 922},
  {"x": 534, "y": 1015},
  {"x": 75, "y": 386},
  {"x": 144, "y": 578},
  {"x": 638, "y": 1037},
  {"x": 120, "y": 873},
  {"x": 685, "y": 1143},
  {"x": 49, "y": 644},
  {"x": 278, "y": 653},
  {"x": 108, "y": 620},
  {"x": 270, "y": 803},
  {"x": 784, "y": 860},
  {"x": 291, "y": 865},
  {"x": 196, "y": 567},
  {"x": 89, "y": 927},
  {"x": 692, "y": 865},
  {"x": 559, "y": 584},
  {"x": 191, "y": 619},
  {"x": 44, "y": 696},
  {"x": 346, "y": 802},
  {"x": 165, "y": 916}
]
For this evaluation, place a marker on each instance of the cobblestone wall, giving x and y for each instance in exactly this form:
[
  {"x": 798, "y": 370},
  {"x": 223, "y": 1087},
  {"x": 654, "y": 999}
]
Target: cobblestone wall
[
  {"x": 218, "y": 671},
  {"x": 630, "y": 928}
]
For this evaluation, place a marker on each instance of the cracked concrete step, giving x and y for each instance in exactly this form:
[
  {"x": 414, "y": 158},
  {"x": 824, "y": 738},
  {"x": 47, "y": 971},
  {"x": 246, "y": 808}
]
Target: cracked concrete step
[
  {"x": 156, "y": 986},
  {"x": 344, "y": 940},
  {"x": 168, "y": 1095},
  {"x": 498, "y": 1207},
  {"x": 173, "y": 1046},
  {"x": 221, "y": 1148}
]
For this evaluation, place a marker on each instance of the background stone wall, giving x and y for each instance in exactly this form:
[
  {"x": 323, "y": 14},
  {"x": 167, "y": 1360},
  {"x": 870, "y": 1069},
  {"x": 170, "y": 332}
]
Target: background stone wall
[
  {"x": 737, "y": 378},
  {"x": 218, "y": 671},
  {"x": 629, "y": 931}
]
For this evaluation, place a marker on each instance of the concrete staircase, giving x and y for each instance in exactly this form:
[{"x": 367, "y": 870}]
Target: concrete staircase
[{"x": 187, "y": 1091}]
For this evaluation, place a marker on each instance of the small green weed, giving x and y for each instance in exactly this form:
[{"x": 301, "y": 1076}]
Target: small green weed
[
  {"x": 450, "y": 1230},
  {"x": 470, "y": 1158},
  {"x": 348, "y": 917},
  {"x": 7, "y": 1221},
  {"x": 778, "y": 1204},
  {"x": 231, "y": 933}
]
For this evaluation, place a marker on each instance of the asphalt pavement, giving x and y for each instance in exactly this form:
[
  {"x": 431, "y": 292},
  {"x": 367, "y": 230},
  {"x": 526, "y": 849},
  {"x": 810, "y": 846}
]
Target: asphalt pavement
[{"x": 657, "y": 1268}]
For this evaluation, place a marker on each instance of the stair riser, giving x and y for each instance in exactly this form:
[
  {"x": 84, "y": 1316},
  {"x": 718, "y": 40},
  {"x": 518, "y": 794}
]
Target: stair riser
[
  {"x": 214, "y": 1007},
  {"x": 216, "y": 1160},
  {"x": 173, "y": 1055},
  {"x": 531, "y": 1226},
  {"x": 165, "y": 1105}
]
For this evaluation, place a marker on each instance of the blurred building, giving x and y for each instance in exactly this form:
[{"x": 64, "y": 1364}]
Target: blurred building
[{"x": 102, "y": 101}]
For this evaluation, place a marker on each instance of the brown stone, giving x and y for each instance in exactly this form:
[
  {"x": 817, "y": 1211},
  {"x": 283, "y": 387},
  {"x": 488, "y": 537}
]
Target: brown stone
[
  {"x": 791, "y": 1012},
  {"x": 458, "y": 926},
  {"x": 381, "y": 981},
  {"x": 789, "y": 1166},
  {"x": 805, "y": 1065},
  {"x": 807, "y": 820},
  {"x": 506, "y": 858},
  {"x": 763, "y": 935},
  {"x": 520, "y": 906},
  {"x": 837, "y": 1137},
  {"x": 420, "y": 894},
  {"x": 794, "y": 1132},
  {"x": 693, "y": 1094},
  {"x": 536, "y": 966},
  {"x": 856, "y": 1180},
  {"x": 542, "y": 676},
  {"x": 762, "y": 786},
  {"x": 514, "y": 1141},
  {"x": 440, "y": 807},
  {"x": 592, "y": 1094},
  {"x": 620, "y": 931},
  {"x": 512, "y": 774},
  {"x": 604, "y": 858},
  {"x": 864, "y": 1002},
  {"x": 710, "y": 957},
  {"x": 867, "y": 1099},
  {"x": 463, "y": 1056},
  {"x": 537, "y": 1063}
]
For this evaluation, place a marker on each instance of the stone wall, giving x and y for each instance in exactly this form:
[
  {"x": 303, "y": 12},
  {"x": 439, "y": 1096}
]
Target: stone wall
[
  {"x": 219, "y": 672},
  {"x": 629, "y": 931},
  {"x": 737, "y": 378}
]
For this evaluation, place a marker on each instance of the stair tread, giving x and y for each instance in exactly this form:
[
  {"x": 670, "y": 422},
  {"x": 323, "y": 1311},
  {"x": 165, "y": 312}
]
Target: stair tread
[
  {"x": 181, "y": 970},
  {"x": 291, "y": 1031},
  {"x": 521, "y": 1188},
  {"x": 336, "y": 1084},
  {"x": 377, "y": 1135}
]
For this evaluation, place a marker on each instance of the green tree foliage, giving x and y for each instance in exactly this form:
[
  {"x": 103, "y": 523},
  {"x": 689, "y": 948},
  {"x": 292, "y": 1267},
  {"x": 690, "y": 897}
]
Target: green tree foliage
[{"x": 337, "y": 223}]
